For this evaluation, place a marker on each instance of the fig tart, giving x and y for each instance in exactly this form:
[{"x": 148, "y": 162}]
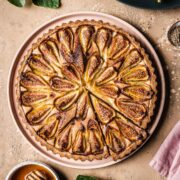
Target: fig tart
[{"x": 87, "y": 91}]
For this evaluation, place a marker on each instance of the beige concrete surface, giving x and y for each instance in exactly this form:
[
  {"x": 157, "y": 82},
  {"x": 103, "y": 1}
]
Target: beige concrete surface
[{"x": 16, "y": 24}]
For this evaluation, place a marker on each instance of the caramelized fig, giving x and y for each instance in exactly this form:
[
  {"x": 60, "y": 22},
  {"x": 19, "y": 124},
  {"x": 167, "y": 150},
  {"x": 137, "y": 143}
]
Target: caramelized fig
[
  {"x": 95, "y": 137},
  {"x": 107, "y": 75},
  {"x": 37, "y": 115},
  {"x": 49, "y": 49},
  {"x": 139, "y": 92},
  {"x": 133, "y": 110},
  {"x": 103, "y": 39},
  {"x": 65, "y": 37},
  {"x": 93, "y": 65},
  {"x": 114, "y": 140},
  {"x": 78, "y": 58},
  {"x": 66, "y": 101},
  {"x": 135, "y": 75},
  {"x": 95, "y": 142},
  {"x": 39, "y": 65},
  {"x": 71, "y": 73},
  {"x": 118, "y": 46},
  {"x": 66, "y": 45},
  {"x": 128, "y": 131},
  {"x": 30, "y": 98},
  {"x": 32, "y": 81},
  {"x": 82, "y": 105},
  {"x": 79, "y": 144},
  {"x": 62, "y": 84},
  {"x": 85, "y": 35},
  {"x": 65, "y": 117},
  {"x": 105, "y": 112},
  {"x": 48, "y": 131},
  {"x": 110, "y": 90},
  {"x": 132, "y": 59},
  {"x": 64, "y": 139}
]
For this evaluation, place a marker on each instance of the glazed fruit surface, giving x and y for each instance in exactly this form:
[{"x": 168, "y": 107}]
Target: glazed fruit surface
[{"x": 87, "y": 90}]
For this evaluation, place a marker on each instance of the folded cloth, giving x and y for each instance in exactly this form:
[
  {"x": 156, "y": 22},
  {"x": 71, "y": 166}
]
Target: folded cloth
[{"x": 167, "y": 159}]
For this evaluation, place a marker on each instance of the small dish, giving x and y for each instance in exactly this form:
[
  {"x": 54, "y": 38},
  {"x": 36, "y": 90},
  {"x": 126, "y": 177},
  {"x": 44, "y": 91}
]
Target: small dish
[
  {"x": 16, "y": 168},
  {"x": 174, "y": 34}
]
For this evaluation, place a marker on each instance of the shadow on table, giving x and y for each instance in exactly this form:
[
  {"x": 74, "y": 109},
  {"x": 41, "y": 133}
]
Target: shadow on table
[{"x": 60, "y": 174}]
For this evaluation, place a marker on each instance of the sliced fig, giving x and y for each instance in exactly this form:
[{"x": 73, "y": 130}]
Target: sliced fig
[
  {"x": 65, "y": 117},
  {"x": 115, "y": 63},
  {"x": 39, "y": 65},
  {"x": 49, "y": 49},
  {"x": 103, "y": 39},
  {"x": 66, "y": 101},
  {"x": 95, "y": 142},
  {"x": 132, "y": 59},
  {"x": 65, "y": 37},
  {"x": 92, "y": 67},
  {"x": 38, "y": 114},
  {"x": 107, "y": 75},
  {"x": 114, "y": 140},
  {"x": 110, "y": 90},
  {"x": 78, "y": 58},
  {"x": 139, "y": 92},
  {"x": 82, "y": 105},
  {"x": 95, "y": 137},
  {"x": 30, "y": 80},
  {"x": 85, "y": 35},
  {"x": 66, "y": 45},
  {"x": 64, "y": 139},
  {"x": 90, "y": 115},
  {"x": 30, "y": 98},
  {"x": 128, "y": 131},
  {"x": 79, "y": 144},
  {"x": 133, "y": 110},
  {"x": 93, "y": 49},
  {"x": 118, "y": 46},
  {"x": 49, "y": 130},
  {"x": 135, "y": 75},
  {"x": 105, "y": 112},
  {"x": 61, "y": 84},
  {"x": 71, "y": 73}
]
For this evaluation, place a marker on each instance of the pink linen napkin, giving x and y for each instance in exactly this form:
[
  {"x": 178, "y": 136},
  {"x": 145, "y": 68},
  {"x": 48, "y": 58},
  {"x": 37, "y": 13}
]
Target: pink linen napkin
[{"x": 167, "y": 159}]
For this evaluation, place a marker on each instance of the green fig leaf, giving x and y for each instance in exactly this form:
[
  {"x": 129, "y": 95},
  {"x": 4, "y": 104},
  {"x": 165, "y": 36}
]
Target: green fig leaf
[
  {"x": 48, "y": 3},
  {"x": 18, "y": 3}
]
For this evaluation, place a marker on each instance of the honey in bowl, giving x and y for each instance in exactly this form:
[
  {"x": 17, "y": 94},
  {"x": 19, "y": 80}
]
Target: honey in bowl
[{"x": 23, "y": 172}]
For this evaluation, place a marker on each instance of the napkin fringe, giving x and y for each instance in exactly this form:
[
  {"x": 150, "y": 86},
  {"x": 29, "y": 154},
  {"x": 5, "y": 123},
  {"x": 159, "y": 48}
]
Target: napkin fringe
[{"x": 163, "y": 170}]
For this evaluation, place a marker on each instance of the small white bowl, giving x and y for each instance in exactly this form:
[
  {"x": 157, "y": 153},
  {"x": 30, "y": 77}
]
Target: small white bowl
[{"x": 18, "y": 166}]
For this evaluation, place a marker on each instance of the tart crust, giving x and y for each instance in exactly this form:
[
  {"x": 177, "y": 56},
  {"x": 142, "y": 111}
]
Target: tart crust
[{"x": 117, "y": 101}]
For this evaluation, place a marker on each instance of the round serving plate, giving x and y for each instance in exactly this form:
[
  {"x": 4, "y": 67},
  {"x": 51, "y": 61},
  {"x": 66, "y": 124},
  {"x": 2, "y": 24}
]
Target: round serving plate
[{"x": 57, "y": 22}]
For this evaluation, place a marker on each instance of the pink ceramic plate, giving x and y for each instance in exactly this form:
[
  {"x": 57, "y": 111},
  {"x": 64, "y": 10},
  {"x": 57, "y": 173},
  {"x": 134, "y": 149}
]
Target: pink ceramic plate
[{"x": 58, "y": 21}]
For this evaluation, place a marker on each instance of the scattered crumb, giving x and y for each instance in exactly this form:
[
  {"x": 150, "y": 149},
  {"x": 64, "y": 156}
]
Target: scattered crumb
[
  {"x": 173, "y": 91},
  {"x": 172, "y": 72}
]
